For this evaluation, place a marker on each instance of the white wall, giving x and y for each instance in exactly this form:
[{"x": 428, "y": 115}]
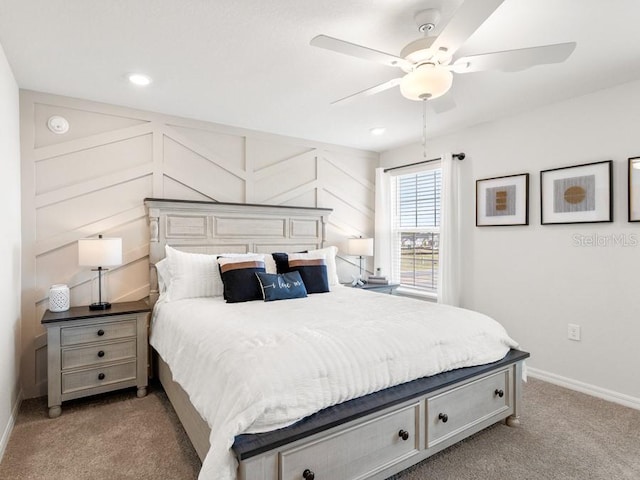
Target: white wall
[
  {"x": 9, "y": 251},
  {"x": 94, "y": 178},
  {"x": 534, "y": 279}
]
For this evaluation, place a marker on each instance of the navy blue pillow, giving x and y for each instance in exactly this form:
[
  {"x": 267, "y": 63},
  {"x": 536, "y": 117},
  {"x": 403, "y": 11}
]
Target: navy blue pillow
[
  {"x": 313, "y": 272},
  {"x": 239, "y": 279},
  {"x": 282, "y": 262},
  {"x": 283, "y": 286}
]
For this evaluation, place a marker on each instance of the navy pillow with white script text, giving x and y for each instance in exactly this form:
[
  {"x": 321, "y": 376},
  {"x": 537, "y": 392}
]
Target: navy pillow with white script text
[{"x": 283, "y": 286}]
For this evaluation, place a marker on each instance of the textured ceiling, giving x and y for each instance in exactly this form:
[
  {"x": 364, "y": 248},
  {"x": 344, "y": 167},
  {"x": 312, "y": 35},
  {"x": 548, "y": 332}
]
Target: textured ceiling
[{"x": 248, "y": 63}]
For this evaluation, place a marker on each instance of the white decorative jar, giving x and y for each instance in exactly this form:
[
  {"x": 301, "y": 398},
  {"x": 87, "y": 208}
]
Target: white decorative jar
[{"x": 59, "y": 298}]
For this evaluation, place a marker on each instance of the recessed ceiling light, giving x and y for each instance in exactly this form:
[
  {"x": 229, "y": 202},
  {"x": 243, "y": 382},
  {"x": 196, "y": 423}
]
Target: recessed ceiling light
[
  {"x": 139, "y": 79},
  {"x": 377, "y": 130}
]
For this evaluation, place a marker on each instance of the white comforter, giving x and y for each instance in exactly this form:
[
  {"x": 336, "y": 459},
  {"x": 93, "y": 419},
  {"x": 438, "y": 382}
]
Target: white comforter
[{"x": 254, "y": 367}]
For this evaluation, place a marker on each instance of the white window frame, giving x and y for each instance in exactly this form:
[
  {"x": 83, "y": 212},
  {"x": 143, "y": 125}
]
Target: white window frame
[{"x": 397, "y": 230}]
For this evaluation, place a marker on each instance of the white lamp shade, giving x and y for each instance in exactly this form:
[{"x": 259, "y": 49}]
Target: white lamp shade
[
  {"x": 100, "y": 252},
  {"x": 426, "y": 82},
  {"x": 362, "y": 247}
]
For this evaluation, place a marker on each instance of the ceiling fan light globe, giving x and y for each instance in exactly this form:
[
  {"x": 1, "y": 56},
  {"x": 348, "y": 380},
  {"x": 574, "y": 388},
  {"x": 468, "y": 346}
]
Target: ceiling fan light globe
[{"x": 426, "y": 82}]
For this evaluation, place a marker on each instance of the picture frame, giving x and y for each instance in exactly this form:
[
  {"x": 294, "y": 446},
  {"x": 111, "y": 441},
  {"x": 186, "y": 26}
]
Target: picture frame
[
  {"x": 634, "y": 189},
  {"x": 502, "y": 201},
  {"x": 577, "y": 194}
]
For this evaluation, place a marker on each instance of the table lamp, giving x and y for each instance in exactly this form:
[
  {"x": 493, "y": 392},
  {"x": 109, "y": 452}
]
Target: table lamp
[
  {"x": 360, "y": 247},
  {"x": 100, "y": 253}
]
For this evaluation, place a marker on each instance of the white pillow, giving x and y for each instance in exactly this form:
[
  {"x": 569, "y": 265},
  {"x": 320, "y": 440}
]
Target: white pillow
[
  {"x": 194, "y": 275},
  {"x": 270, "y": 264},
  {"x": 330, "y": 256},
  {"x": 164, "y": 277}
]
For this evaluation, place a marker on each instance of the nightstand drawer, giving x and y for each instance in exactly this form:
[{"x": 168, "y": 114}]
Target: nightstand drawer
[
  {"x": 95, "y": 333},
  {"x": 95, "y": 377},
  {"x": 97, "y": 354}
]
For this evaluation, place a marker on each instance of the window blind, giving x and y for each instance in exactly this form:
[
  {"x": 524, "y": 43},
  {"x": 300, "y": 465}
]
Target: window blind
[{"x": 416, "y": 229}]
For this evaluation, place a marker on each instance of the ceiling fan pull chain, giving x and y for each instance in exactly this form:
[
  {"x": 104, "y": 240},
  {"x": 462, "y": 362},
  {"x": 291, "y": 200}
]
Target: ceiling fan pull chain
[{"x": 424, "y": 127}]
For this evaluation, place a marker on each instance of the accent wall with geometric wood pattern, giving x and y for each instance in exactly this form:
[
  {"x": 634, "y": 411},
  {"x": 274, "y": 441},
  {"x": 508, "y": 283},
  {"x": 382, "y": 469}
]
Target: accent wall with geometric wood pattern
[{"x": 93, "y": 179}]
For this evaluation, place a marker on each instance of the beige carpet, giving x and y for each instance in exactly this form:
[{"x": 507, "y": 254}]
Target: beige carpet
[
  {"x": 112, "y": 436},
  {"x": 565, "y": 435}
]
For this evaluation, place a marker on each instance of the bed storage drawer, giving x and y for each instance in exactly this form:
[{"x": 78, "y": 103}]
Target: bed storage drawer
[
  {"x": 96, "y": 377},
  {"x": 460, "y": 409},
  {"x": 99, "y": 332},
  {"x": 357, "y": 452}
]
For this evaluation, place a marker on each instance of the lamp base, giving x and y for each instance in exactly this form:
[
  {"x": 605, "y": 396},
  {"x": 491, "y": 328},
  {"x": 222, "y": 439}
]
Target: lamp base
[{"x": 100, "y": 306}]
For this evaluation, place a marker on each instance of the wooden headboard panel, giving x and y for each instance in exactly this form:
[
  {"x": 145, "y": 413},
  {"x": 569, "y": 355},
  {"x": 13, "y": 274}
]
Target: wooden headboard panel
[{"x": 214, "y": 227}]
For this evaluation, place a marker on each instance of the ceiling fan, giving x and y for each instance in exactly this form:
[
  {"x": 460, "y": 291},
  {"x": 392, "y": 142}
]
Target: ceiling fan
[{"x": 429, "y": 62}]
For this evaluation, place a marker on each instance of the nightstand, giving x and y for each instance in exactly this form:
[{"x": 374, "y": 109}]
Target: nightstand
[
  {"x": 96, "y": 351},
  {"x": 377, "y": 287}
]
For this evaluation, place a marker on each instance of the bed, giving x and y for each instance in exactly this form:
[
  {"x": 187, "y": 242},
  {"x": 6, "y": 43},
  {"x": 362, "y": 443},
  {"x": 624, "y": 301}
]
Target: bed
[{"x": 347, "y": 401}]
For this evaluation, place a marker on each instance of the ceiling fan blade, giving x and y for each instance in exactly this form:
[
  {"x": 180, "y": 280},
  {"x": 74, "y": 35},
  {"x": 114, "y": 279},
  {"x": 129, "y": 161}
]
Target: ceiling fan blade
[
  {"x": 358, "y": 51},
  {"x": 369, "y": 91},
  {"x": 513, "y": 60},
  {"x": 465, "y": 21}
]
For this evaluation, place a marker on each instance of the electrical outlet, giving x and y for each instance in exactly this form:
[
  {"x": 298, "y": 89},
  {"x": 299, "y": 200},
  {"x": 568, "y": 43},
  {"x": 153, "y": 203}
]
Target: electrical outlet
[{"x": 573, "y": 332}]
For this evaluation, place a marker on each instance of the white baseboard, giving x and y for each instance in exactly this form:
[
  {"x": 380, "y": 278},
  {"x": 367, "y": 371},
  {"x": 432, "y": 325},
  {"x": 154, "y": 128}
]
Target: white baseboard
[
  {"x": 4, "y": 441},
  {"x": 609, "y": 395}
]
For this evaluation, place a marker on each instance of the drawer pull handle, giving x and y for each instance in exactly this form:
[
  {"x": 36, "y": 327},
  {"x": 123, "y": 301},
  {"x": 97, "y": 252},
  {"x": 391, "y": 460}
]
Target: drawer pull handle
[
  {"x": 100, "y": 332},
  {"x": 101, "y": 376},
  {"x": 101, "y": 353},
  {"x": 404, "y": 435},
  {"x": 444, "y": 417},
  {"x": 499, "y": 393},
  {"x": 308, "y": 475}
]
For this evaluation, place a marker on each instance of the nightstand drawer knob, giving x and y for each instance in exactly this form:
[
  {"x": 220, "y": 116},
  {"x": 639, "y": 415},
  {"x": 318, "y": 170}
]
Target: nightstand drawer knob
[
  {"x": 308, "y": 475},
  {"x": 101, "y": 376},
  {"x": 444, "y": 417},
  {"x": 100, "y": 332},
  {"x": 101, "y": 353},
  {"x": 404, "y": 435},
  {"x": 499, "y": 393}
]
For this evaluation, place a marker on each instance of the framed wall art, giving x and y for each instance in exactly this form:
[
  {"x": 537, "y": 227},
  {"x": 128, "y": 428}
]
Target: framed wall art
[
  {"x": 577, "y": 194},
  {"x": 634, "y": 189},
  {"x": 502, "y": 201}
]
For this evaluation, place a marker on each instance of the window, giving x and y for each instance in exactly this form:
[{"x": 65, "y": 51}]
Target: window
[{"x": 416, "y": 229}]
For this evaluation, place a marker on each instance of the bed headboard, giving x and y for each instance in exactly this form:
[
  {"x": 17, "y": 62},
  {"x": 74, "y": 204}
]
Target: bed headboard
[{"x": 215, "y": 227}]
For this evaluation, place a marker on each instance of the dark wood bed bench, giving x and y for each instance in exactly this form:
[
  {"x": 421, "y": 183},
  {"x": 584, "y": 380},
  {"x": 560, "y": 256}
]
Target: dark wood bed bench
[
  {"x": 432, "y": 413},
  {"x": 249, "y": 445}
]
